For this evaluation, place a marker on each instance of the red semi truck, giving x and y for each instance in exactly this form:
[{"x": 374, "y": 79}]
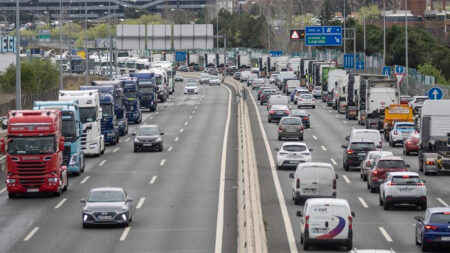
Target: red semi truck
[{"x": 34, "y": 148}]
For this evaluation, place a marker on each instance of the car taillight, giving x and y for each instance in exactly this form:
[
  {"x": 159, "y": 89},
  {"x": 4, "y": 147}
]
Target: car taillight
[
  {"x": 300, "y": 99},
  {"x": 420, "y": 184},
  {"x": 350, "y": 222},
  {"x": 280, "y": 127},
  {"x": 381, "y": 144},
  {"x": 302, "y": 128},
  {"x": 298, "y": 183},
  {"x": 395, "y": 132},
  {"x": 306, "y": 118},
  {"x": 375, "y": 172},
  {"x": 350, "y": 151},
  {"x": 334, "y": 184},
  {"x": 390, "y": 184},
  {"x": 313, "y": 100},
  {"x": 307, "y": 222},
  {"x": 287, "y": 111},
  {"x": 430, "y": 227},
  {"x": 430, "y": 162},
  {"x": 271, "y": 111}
]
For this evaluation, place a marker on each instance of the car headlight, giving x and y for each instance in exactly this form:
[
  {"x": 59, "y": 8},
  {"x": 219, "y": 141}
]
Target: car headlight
[
  {"x": 123, "y": 209},
  {"x": 136, "y": 140},
  {"x": 159, "y": 139},
  {"x": 73, "y": 160},
  {"x": 87, "y": 210}
]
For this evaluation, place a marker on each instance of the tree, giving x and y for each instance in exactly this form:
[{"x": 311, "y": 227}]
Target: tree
[
  {"x": 325, "y": 13},
  {"x": 429, "y": 69}
]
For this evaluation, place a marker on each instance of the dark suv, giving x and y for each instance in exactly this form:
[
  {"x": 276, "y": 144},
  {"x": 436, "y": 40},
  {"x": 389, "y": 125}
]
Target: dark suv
[{"x": 355, "y": 152}]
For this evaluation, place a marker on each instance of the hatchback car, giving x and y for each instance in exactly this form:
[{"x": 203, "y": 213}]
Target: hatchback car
[
  {"x": 306, "y": 100},
  {"x": 400, "y": 132},
  {"x": 317, "y": 92},
  {"x": 383, "y": 166},
  {"x": 355, "y": 152},
  {"x": 257, "y": 83},
  {"x": 290, "y": 127},
  {"x": 260, "y": 91},
  {"x": 179, "y": 78},
  {"x": 148, "y": 137},
  {"x": 107, "y": 206},
  {"x": 190, "y": 88},
  {"x": 292, "y": 153},
  {"x": 265, "y": 95},
  {"x": 411, "y": 144},
  {"x": 303, "y": 116},
  {"x": 432, "y": 228},
  {"x": 277, "y": 112},
  {"x": 299, "y": 93}
]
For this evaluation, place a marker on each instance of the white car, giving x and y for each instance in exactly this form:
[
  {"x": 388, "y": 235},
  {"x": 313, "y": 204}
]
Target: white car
[
  {"x": 306, "y": 100},
  {"x": 204, "y": 78},
  {"x": 292, "y": 153},
  {"x": 403, "y": 188},
  {"x": 190, "y": 88},
  {"x": 317, "y": 91},
  {"x": 273, "y": 78},
  {"x": 368, "y": 162},
  {"x": 214, "y": 80},
  {"x": 416, "y": 102},
  {"x": 299, "y": 93},
  {"x": 257, "y": 83}
]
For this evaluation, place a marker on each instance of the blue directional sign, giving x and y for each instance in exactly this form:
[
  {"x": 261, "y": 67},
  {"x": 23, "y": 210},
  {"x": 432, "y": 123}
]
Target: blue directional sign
[
  {"x": 386, "y": 71},
  {"x": 323, "y": 35},
  {"x": 399, "y": 69},
  {"x": 435, "y": 93},
  {"x": 276, "y": 53},
  {"x": 180, "y": 56},
  {"x": 349, "y": 61},
  {"x": 359, "y": 65}
]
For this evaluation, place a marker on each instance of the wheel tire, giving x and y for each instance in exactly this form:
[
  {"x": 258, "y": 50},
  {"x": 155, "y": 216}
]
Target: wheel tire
[
  {"x": 386, "y": 206},
  {"x": 83, "y": 161},
  {"x": 372, "y": 189},
  {"x": 67, "y": 185},
  {"x": 84, "y": 225},
  {"x": 161, "y": 148},
  {"x": 425, "y": 247},
  {"x": 301, "y": 138},
  {"x": 314, "y": 107},
  {"x": 381, "y": 201},
  {"x": 305, "y": 245},
  {"x": 12, "y": 195},
  {"x": 423, "y": 207},
  {"x": 349, "y": 244},
  {"x": 58, "y": 193},
  {"x": 365, "y": 178},
  {"x": 279, "y": 138},
  {"x": 297, "y": 201},
  {"x": 417, "y": 242},
  {"x": 346, "y": 167}
]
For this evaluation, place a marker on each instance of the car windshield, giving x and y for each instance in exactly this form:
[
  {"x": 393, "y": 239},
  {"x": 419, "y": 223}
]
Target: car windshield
[
  {"x": 107, "y": 110},
  {"x": 291, "y": 121},
  {"x": 147, "y": 131},
  {"x": 88, "y": 114},
  {"x": 405, "y": 126},
  {"x": 440, "y": 218},
  {"x": 391, "y": 164},
  {"x": 373, "y": 155},
  {"x": 146, "y": 90},
  {"x": 362, "y": 145},
  {"x": 121, "y": 64},
  {"x": 190, "y": 85},
  {"x": 105, "y": 196},
  {"x": 421, "y": 100},
  {"x": 307, "y": 96},
  {"x": 130, "y": 94},
  {"x": 31, "y": 145},
  {"x": 294, "y": 148},
  {"x": 406, "y": 180}
]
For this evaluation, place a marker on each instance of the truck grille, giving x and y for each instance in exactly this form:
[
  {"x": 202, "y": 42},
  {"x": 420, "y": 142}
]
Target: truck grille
[
  {"x": 66, "y": 155},
  {"x": 84, "y": 139},
  {"x": 32, "y": 182},
  {"x": 31, "y": 173}
]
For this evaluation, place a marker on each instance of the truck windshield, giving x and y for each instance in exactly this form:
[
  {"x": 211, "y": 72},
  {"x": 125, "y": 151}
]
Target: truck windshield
[
  {"x": 88, "y": 114},
  {"x": 140, "y": 66},
  {"x": 146, "y": 90},
  {"x": 107, "y": 110},
  {"x": 130, "y": 94},
  {"x": 131, "y": 65},
  {"x": 31, "y": 145},
  {"x": 69, "y": 129},
  {"x": 121, "y": 64}
]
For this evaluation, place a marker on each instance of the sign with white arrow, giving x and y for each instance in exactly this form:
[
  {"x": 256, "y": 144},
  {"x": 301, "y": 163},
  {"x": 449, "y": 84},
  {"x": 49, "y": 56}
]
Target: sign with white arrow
[{"x": 435, "y": 93}]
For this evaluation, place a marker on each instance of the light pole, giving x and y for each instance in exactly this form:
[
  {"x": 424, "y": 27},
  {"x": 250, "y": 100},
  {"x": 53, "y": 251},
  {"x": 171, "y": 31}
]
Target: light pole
[
  {"x": 344, "y": 25},
  {"x": 303, "y": 22},
  {"x": 86, "y": 53},
  {"x": 406, "y": 43},
  {"x": 217, "y": 27},
  {"x": 61, "y": 86},
  {"x": 384, "y": 33},
  {"x": 268, "y": 36},
  {"x": 18, "y": 83},
  {"x": 364, "y": 47}
]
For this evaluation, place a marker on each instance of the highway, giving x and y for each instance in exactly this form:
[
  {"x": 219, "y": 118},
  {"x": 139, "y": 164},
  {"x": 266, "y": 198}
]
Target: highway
[
  {"x": 175, "y": 192},
  {"x": 374, "y": 228}
]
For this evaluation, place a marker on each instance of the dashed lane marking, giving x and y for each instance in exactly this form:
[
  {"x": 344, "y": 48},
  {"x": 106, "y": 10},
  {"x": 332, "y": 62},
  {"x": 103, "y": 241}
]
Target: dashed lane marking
[
  {"x": 140, "y": 203},
  {"x": 176, "y": 139},
  {"x": 3, "y": 190},
  {"x": 60, "y": 203},
  {"x": 125, "y": 233},
  {"x": 442, "y": 202},
  {"x": 152, "y": 181},
  {"x": 385, "y": 234},
  {"x": 163, "y": 161},
  {"x": 35, "y": 229},
  {"x": 333, "y": 161},
  {"x": 181, "y": 130},
  {"x": 185, "y": 123},
  {"x": 345, "y": 122},
  {"x": 102, "y": 162},
  {"x": 84, "y": 180},
  {"x": 170, "y": 149},
  {"x": 115, "y": 150},
  {"x": 190, "y": 117},
  {"x": 346, "y": 179},
  {"x": 363, "y": 203},
  {"x": 128, "y": 139},
  {"x": 324, "y": 148},
  {"x": 314, "y": 137}
]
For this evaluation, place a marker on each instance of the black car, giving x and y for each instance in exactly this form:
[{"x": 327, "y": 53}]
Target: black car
[
  {"x": 237, "y": 75},
  {"x": 148, "y": 137},
  {"x": 277, "y": 112},
  {"x": 355, "y": 152},
  {"x": 303, "y": 115},
  {"x": 213, "y": 71}
]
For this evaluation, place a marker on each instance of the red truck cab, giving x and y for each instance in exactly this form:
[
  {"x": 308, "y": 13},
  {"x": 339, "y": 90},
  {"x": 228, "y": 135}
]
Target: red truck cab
[{"x": 34, "y": 145}]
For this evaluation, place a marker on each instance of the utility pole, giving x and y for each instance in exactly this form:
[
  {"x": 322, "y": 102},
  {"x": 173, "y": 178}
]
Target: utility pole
[
  {"x": 268, "y": 36},
  {"x": 344, "y": 25},
  {"x": 18, "y": 76},
  {"x": 384, "y": 32},
  {"x": 406, "y": 43},
  {"x": 86, "y": 53},
  {"x": 365, "y": 9},
  {"x": 109, "y": 38},
  {"x": 61, "y": 85},
  {"x": 217, "y": 27}
]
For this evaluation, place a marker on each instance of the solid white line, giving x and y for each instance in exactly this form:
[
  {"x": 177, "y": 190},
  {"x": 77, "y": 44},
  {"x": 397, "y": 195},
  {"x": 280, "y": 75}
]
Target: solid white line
[
  {"x": 125, "y": 233},
  {"x": 170, "y": 149},
  {"x": 276, "y": 180},
  {"x": 140, "y": 203},
  {"x": 115, "y": 150},
  {"x": 181, "y": 130},
  {"x": 314, "y": 137},
  {"x": 324, "y": 148},
  {"x": 127, "y": 139},
  {"x": 176, "y": 139},
  {"x": 345, "y": 122},
  {"x": 346, "y": 179},
  {"x": 363, "y": 203},
  {"x": 153, "y": 179},
  {"x": 333, "y": 161},
  {"x": 163, "y": 161},
  {"x": 84, "y": 180},
  {"x": 60, "y": 203},
  {"x": 442, "y": 202},
  {"x": 223, "y": 163},
  {"x": 185, "y": 123},
  {"x": 3, "y": 190},
  {"x": 35, "y": 229},
  {"x": 102, "y": 162},
  {"x": 385, "y": 234}
]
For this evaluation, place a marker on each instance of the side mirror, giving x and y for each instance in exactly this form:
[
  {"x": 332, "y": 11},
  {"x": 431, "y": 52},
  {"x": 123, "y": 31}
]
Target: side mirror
[
  {"x": 423, "y": 181},
  {"x": 276, "y": 149},
  {"x": 299, "y": 214},
  {"x": 311, "y": 150},
  {"x": 161, "y": 134},
  {"x": 134, "y": 133},
  {"x": 407, "y": 166},
  {"x": 418, "y": 218},
  {"x": 129, "y": 199},
  {"x": 337, "y": 176},
  {"x": 291, "y": 175},
  {"x": 344, "y": 146},
  {"x": 347, "y": 138},
  {"x": 100, "y": 113},
  {"x": 83, "y": 201},
  {"x": 2, "y": 146},
  {"x": 353, "y": 214}
]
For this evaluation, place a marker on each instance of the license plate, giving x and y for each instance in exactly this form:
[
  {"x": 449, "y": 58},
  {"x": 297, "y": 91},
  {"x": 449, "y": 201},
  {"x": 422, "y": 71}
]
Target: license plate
[
  {"x": 308, "y": 190},
  {"x": 291, "y": 130},
  {"x": 445, "y": 238},
  {"x": 280, "y": 113},
  {"x": 320, "y": 230},
  {"x": 294, "y": 162},
  {"x": 104, "y": 217},
  {"x": 148, "y": 145},
  {"x": 362, "y": 154},
  {"x": 32, "y": 190}
]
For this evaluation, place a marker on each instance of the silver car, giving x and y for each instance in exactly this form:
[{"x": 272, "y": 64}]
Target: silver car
[
  {"x": 290, "y": 127},
  {"x": 214, "y": 80},
  {"x": 306, "y": 100},
  {"x": 204, "y": 78},
  {"x": 107, "y": 206},
  {"x": 292, "y": 153}
]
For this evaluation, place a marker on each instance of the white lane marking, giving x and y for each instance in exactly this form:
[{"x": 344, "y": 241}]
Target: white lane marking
[
  {"x": 314, "y": 137},
  {"x": 385, "y": 234},
  {"x": 106, "y": 151},
  {"x": 176, "y": 139},
  {"x": 125, "y": 233},
  {"x": 170, "y": 149},
  {"x": 156, "y": 113},
  {"x": 102, "y": 162},
  {"x": 276, "y": 180},
  {"x": 84, "y": 180},
  {"x": 346, "y": 179},
  {"x": 163, "y": 161},
  {"x": 337, "y": 116},
  {"x": 115, "y": 150},
  {"x": 181, "y": 130},
  {"x": 3, "y": 190},
  {"x": 140, "y": 203},
  {"x": 127, "y": 139},
  {"x": 193, "y": 112},
  {"x": 151, "y": 118},
  {"x": 185, "y": 123},
  {"x": 345, "y": 122},
  {"x": 442, "y": 202},
  {"x": 35, "y": 229},
  {"x": 329, "y": 111},
  {"x": 333, "y": 161},
  {"x": 223, "y": 163},
  {"x": 153, "y": 179},
  {"x": 363, "y": 203},
  {"x": 190, "y": 116},
  {"x": 324, "y": 148},
  {"x": 60, "y": 203},
  {"x": 196, "y": 106}
]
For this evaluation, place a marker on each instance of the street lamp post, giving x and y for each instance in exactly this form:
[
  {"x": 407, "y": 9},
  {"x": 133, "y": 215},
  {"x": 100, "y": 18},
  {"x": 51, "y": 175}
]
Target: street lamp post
[
  {"x": 406, "y": 43},
  {"x": 61, "y": 86},
  {"x": 18, "y": 83},
  {"x": 364, "y": 47},
  {"x": 384, "y": 33},
  {"x": 86, "y": 53}
]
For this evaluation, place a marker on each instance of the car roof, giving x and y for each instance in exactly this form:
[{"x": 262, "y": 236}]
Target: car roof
[
  {"x": 107, "y": 189},
  {"x": 332, "y": 201},
  {"x": 298, "y": 111},
  {"x": 404, "y": 123},
  {"x": 149, "y": 126},
  {"x": 438, "y": 209},
  {"x": 280, "y": 107},
  {"x": 380, "y": 152},
  {"x": 289, "y": 117},
  {"x": 292, "y": 143},
  {"x": 365, "y": 131},
  {"x": 401, "y": 173},
  {"x": 315, "y": 164},
  {"x": 391, "y": 158},
  {"x": 363, "y": 140}
]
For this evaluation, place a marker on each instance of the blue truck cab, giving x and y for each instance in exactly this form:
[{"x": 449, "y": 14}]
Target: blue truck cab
[
  {"x": 72, "y": 130},
  {"x": 132, "y": 103},
  {"x": 147, "y": 90},
  {"x": 109, "y": 122},
  {"x": 120, "y": 108}
]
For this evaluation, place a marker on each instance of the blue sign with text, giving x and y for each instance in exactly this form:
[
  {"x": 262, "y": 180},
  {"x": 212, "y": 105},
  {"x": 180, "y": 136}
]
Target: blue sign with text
[
  {"x": 276, "y": 53},
  {"x": 180, "y": 56},
  {"x": 323, "y": 35}
]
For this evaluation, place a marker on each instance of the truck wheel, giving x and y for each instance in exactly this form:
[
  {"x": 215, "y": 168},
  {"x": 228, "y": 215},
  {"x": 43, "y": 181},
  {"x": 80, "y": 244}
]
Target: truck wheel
[
  {"x": 12, "y": 195},
  {"x": 83, "y": 162},
  {"x": 58, "y": 193},
  {"x": 67, "y": 184}
]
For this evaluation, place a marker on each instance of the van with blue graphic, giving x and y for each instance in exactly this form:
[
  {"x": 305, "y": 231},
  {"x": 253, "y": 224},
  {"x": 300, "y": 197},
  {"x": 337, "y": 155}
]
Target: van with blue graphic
[{"x": 326, "y": 221}]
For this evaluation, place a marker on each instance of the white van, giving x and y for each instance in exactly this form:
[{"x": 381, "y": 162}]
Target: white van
[
  {"x": 326, "y": 221},
  {"x": 313, "y": 180},
  {"x": 277, "y": 100},
  {"x": 372, "y": 134}
]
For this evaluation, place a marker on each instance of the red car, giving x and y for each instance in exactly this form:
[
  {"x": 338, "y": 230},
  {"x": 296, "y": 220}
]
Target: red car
[
  {"x": 404, "y": 99},
  {"x": 411, "y": 144},
  {"x": 384, "y": 165}
]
